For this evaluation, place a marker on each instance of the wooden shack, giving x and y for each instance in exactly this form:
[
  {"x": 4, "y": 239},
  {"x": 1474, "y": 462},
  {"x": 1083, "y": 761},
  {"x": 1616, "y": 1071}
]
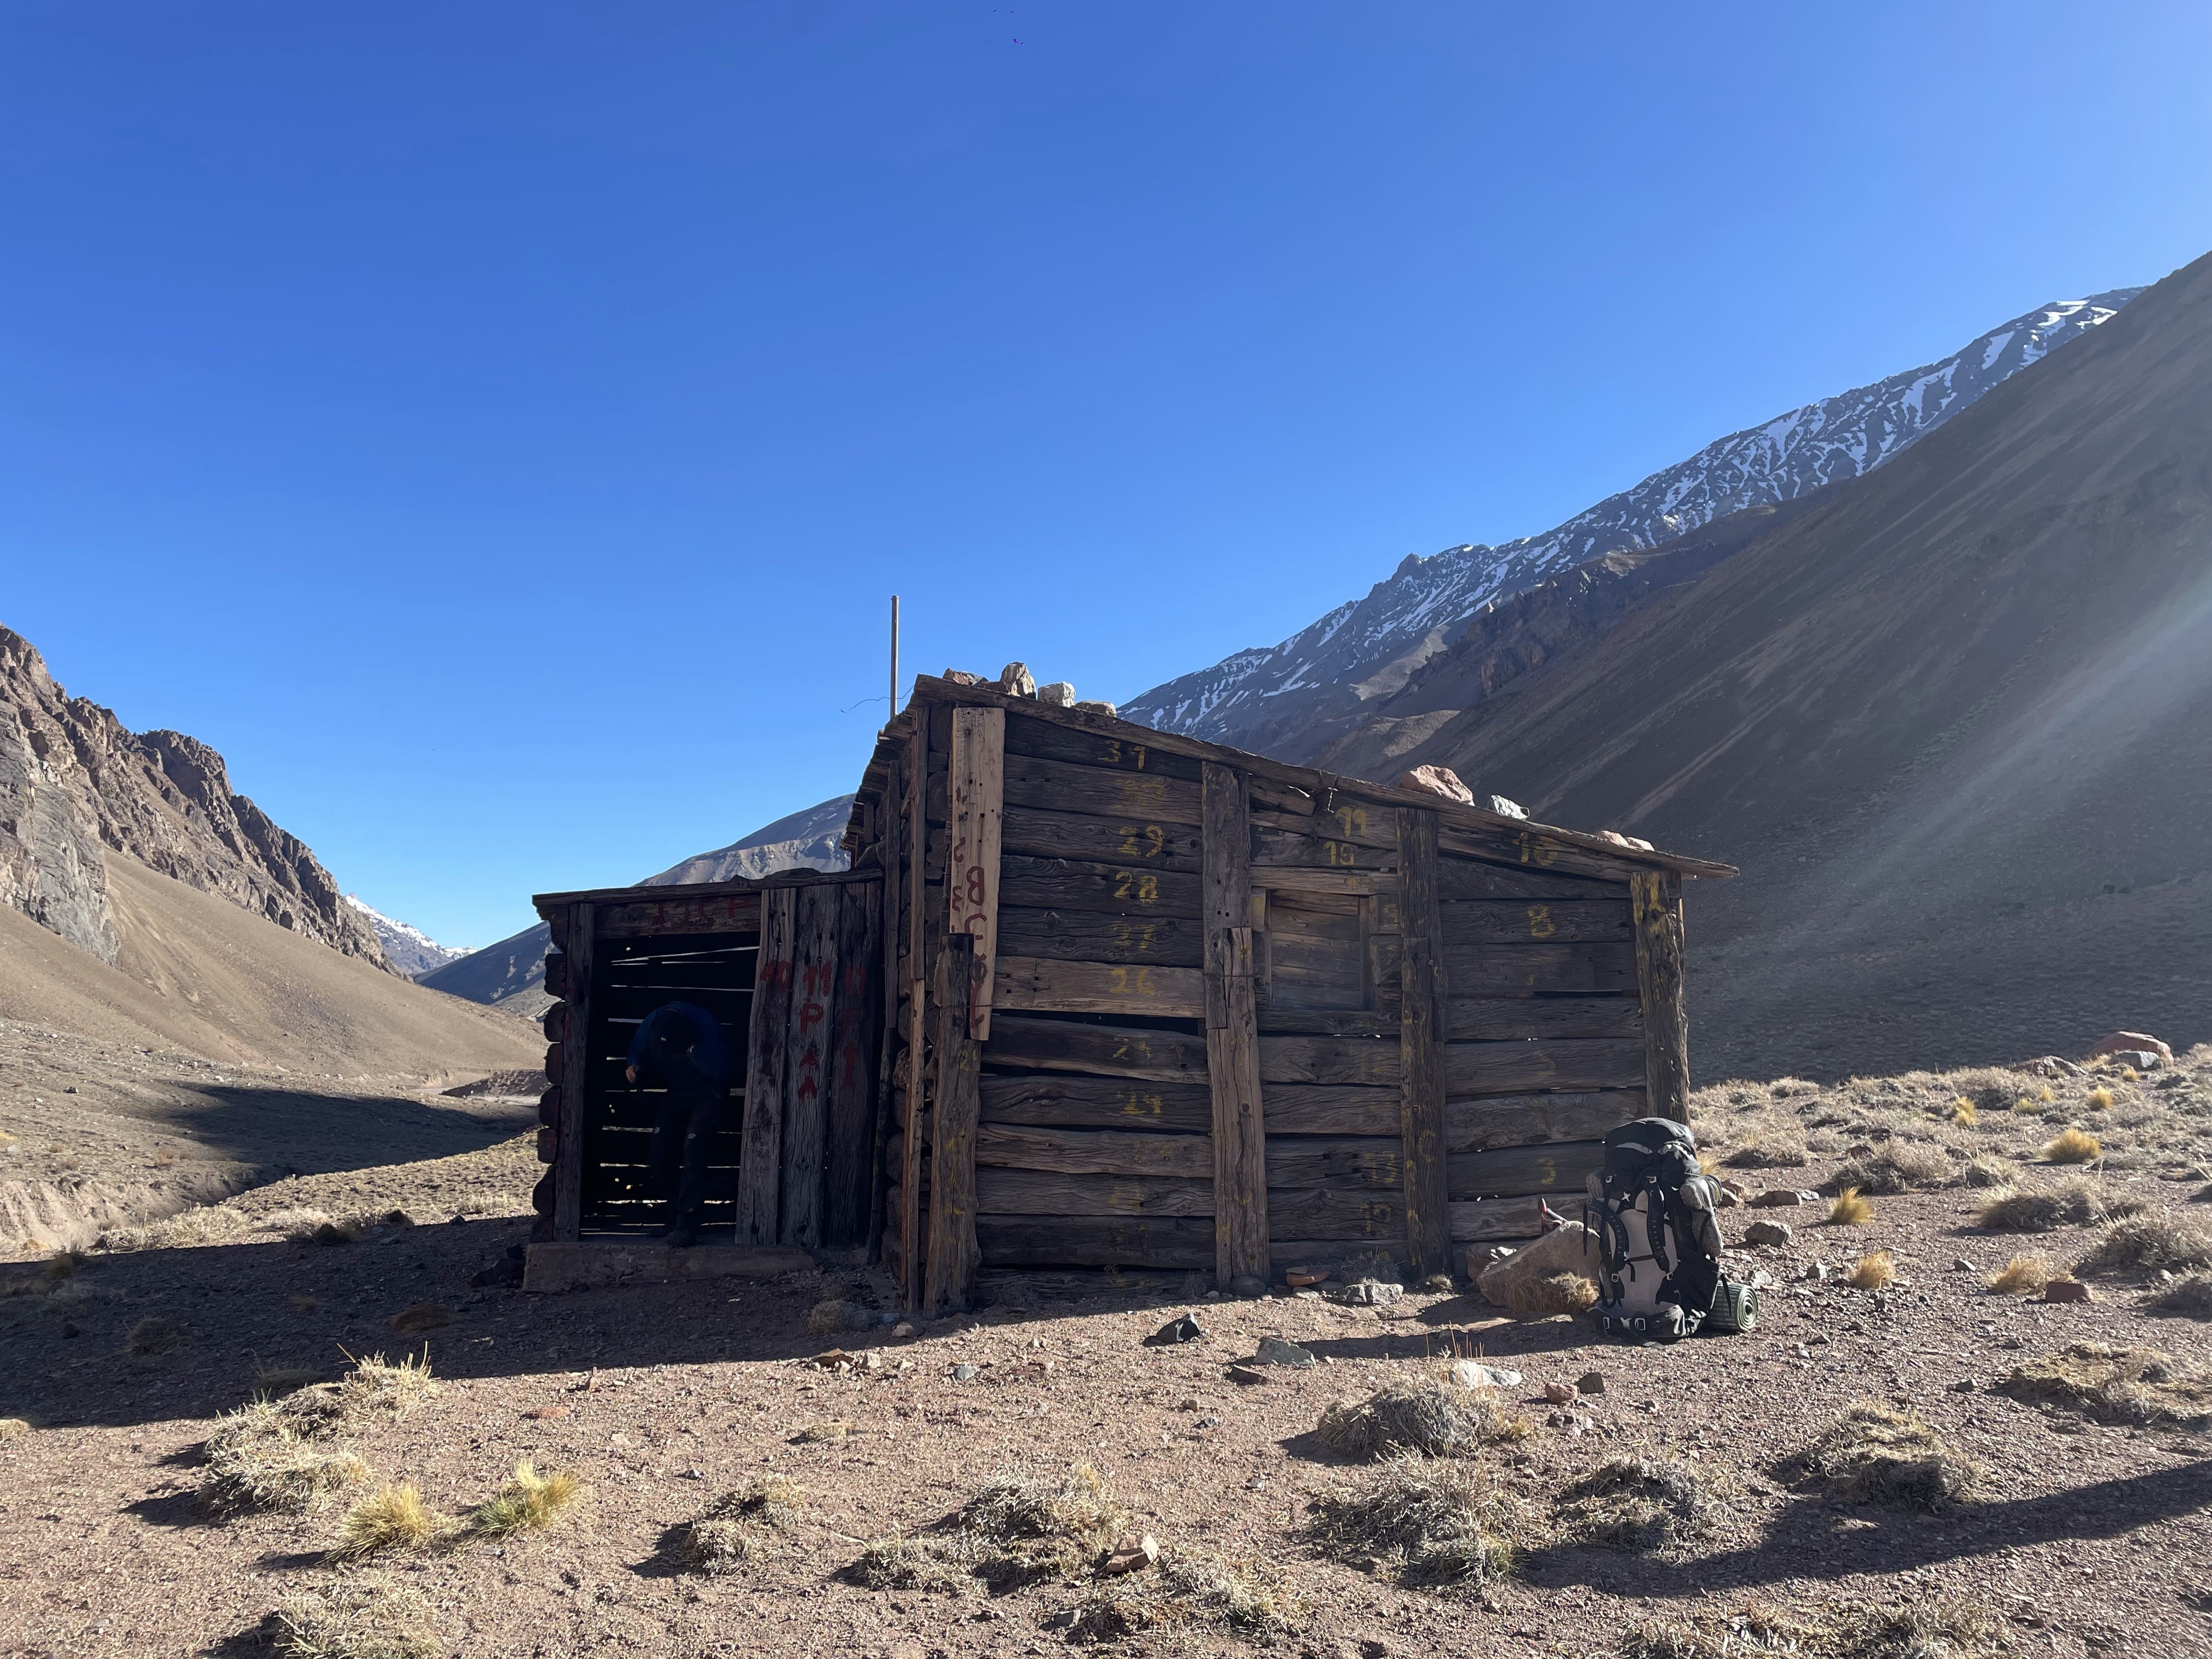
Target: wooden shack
[{"x": 1093, "y": 995}]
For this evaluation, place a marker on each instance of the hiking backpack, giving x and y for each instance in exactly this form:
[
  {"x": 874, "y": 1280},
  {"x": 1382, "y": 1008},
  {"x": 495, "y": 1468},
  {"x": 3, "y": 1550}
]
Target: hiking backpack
[{"x": 1652, "y": 1209}]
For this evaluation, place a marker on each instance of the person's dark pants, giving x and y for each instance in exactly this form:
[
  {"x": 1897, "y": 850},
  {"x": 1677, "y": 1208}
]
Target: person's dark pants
[{"x": 683, "y": 1139}]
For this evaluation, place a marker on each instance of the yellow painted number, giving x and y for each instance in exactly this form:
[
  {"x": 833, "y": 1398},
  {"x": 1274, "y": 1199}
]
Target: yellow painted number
[
  {"x": 1136, "y": 751},
  {"x": 1537, "y": 849},
  {"x": 1132, "y": 1047},
  {"x": 1143, "y": 841},
  {"x": 1541, "y": 925},
  {"x": 1351, "y": 820},
  {"x": 1342, "y": 853},
  {"x": 1130, "y": 982},
  {"x": 1134, "y": 1104},
  {"x": 1134, "y": 935},
  {"x": 1550, "y": 1166}
]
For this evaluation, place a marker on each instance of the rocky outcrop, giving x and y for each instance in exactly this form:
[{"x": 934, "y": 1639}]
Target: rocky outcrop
[{"x": 77, "y": 787}]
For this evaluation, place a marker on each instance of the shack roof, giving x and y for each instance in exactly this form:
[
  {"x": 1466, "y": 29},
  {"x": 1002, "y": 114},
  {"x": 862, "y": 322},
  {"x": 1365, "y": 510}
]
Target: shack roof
[{"x": 1301, "y": 788}]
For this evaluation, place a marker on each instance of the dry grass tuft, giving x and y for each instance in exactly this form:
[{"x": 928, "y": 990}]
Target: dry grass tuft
[
  {"x": 422, "y": 1316},
  {"x": 2148, "y": 1243},
  {"x": 256, "y": 1460},
  {"x": 203, "y": 1223},
  {"x": 823, "y": 1434},
  {"x": 2132, "y": 1385},
  {"x": 1988, "y": 1169},
  {"x": 1964, "y": 1113},
  {"x": 1639, "y": 1504},
  {"x": 1777, "y": 1151},
  {"x": 1936, "y": 1628},
  {"x": 2073, "y": 1146},
  {"x": 1242, "y": 1596},
  {"x": 353, "y": 1618},
  {"x": 2099, "y": 1099},
  {"x": 392, "y": 1517},
  {"x": 2024, "y": 1275},
  {"x": 529, "y": 1502},
  {"x": 1559, "y": 1293},
  {"x": 13, "y": 1428},
  {"x": 2190, "y": 1297},
  {"x": 835, "y": 1315},
  {"x": 741, "y": 1529},
  {"x": 2072, "y": 1204},
  {"x": 1873, "y": 1455},
  {"x": 1433, "y": 1523},
  {"x": 157, "y": 1334},
  {"x": 1013, "y": 1530},
  {"x": 1850, "y": 1208},
  {"x": 373, "y": 1391},
  {"x": 1419, "y": 1414},
  {"x": 1899, "y": 1166},
  {"x": 1874, "y": 1271}
]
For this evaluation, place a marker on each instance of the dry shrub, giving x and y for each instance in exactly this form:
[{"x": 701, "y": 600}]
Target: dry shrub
[
  {"x": 1013, "y": 1530},
  {"x": 1964, "y": 1113},
  {"x": 1897, "y": 1166},
  {"x": 157, "y": 1335},
  {"x": 353, "y": 1618},
  {"x": 2024, "y": 1275},
  {"x": 2191, "y": 1298},
  {"x": 1786, "y": 1088},
  {"x": 823, "y": 1434},
  {"x": 299, "y": 1225},
  {"x": 835, "y": 1315},
  {"x": 1988, "y": 1169},
  {"x": 1434, "y": 1523},
  {"x": 1850, "y": 1208},
  {"x": 2132, "y": 1385},
  {"x": 1874, "y": 1454},
  {"x": 13, "y": 1428},
  {"x": 1639, "y": 1504},
  {"x": 1419, "y": 1414},
  {"x": 2147, "y": 1243},
  {"x": 1779, "y": 1151},
  {"x": 1942, "y": 1627},
  {"x": 391, "y": 1518},
  {"x": 529, "y": 1502},
  {"x": 1874, "y": 1271},
  {"x": 1242, "y": 1595},
  {"x": 2072, "y": 1146},
  {"x": 2071, "y": 1204},
  {"x": 740, "y": 1530},
  {"x": 422, "y": 1316},
  {"x": 1557, "y": 1293},
  {"x": 204, "y": 1223},
  {"x": 2099, "y": 1099},
  {"x": 258, "y": 1460}
]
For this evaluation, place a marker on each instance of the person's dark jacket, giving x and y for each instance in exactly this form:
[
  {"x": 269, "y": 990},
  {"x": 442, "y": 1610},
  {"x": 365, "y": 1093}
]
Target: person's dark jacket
[{"x": 704, "y": 1071}]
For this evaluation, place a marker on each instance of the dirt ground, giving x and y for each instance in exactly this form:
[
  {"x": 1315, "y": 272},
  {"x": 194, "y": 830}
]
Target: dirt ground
[{"x": 2084, "y": 1537}]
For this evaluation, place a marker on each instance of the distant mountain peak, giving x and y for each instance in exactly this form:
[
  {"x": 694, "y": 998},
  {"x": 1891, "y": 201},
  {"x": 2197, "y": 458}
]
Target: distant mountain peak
[
  {"x": 1289, "y": 699},
  {"x": 409, "y": 950}
]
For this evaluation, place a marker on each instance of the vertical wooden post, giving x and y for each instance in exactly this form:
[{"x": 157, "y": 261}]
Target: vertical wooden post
[
  {"x": 888, "y": 908},
  {"x": 581, "y": 950},
  {"x": 1420, "y": 1046},
  {"x": 760, "y": 1164},
  {"x": 1232, "y": 1030},
  {"x": 977, "y": 780},
  {"x": 952, "y": 1251},
  {"x": 917, "y": 802},
  {"x": 852, "y": 1159},
  {"x": 1655, "y": 898},
  {"x": 806, "y": 1086}
]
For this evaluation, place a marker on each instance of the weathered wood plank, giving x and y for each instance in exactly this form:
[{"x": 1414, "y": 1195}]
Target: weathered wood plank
[
  {"x": 1292, "y": 879},
  {"x": 1083, "y": 936},
  {"x": 1563, "y": 1064},
  {"x": 1036, "y": 1192},
  {"x": 1093, "y": 1152},
  {"x": 1330, "y": 1022},
  {"x": 1136, "y": 843},
  {"x": 1351, "y": 821},
  {"x": 1274, "y": 849},
  {"x": 917, "y": 794},
  {"x": 1477, "y": 1220},
  {"x": 1097, "y": 987},
  {"x": 1538, "y": 922},
  {"x": 971, "y": 887},
  {"x": 573, "y": 1075},
  {"x": 1460, "y": 880},
  {"x": 1341, "y": 1256},
  {"x": 1421, "y": 1067},
  {"x": 1328, "y": 1060},
  {"x": 1337, "y": 1161},
  {"x": 1113, "y": 793},
  {"x": 1531, "y": 848},
  {"x": 1657, "y": 902},
  {"x": 1125, "y": 750},
  {"x": 556, "y": 973},
  {"x": 1492, "y": 970},
  {"x": 1342, "y": 1212},
  {"x": 760, "y": 1184},
  {"x": 1106, "y": 888},
  {"x": 1296, "y": 1109},
  {"x": 806, "y": 1081},
  {"x": 1124, "y": 1051},
  {"x": 1164, "y": 1241},
  {"x": 1556, "y": 1170},
  {"x": 576, "y": 1267},
  {"x": 850, "y": 1146},
  {"x": 1232, "y": 1032},
  {"x": 1504, "y": 1020},
  {"x": 727, "y": 912},
  {"x": 1075, "y": 1103},
  {"x": 1475, "y": 1126},
  {"x": 951, "y": 1258}
]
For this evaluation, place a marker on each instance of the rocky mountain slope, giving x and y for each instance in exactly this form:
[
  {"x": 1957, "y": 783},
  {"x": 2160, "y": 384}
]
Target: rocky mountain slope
[
  {"x": 1294, "y": 699},
  {"x": 78, "y": 791},
  {"x": 408, "y": 949},
  {"x": 511, "y": 974},
  {"x": 1954, "y": 719}
]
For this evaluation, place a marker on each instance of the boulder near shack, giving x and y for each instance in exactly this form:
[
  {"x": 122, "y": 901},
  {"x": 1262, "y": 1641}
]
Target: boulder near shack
[{"x": 1093, "y": 995}]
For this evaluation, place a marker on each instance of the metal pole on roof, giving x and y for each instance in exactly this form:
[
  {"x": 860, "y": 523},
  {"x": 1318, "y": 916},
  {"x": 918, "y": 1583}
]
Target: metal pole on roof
[{"x": 894, "y": 654}]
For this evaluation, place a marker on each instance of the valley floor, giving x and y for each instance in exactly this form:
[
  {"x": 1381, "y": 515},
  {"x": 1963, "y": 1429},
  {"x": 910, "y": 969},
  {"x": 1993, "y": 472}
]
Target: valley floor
[{"x": 2084, "y": 1536}]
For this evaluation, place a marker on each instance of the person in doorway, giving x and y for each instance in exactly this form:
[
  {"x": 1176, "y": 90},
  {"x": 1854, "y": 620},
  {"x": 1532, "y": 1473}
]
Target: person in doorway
[{"x": 679, "y": 1046}]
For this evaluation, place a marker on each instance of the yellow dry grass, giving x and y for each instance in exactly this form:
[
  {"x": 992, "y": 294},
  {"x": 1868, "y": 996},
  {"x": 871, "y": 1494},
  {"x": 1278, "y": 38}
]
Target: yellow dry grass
[
  {"x": 355, "y": 1617},
  {"x": 13, "y": 1428},
  {"x": 1422, "y": 1414},
  {"x": 2024, "y": 1275},
  {"x": 393, "y": 1516},
  {"x": 1873, "y": 1454},
  {"x": 529, "y": 1502},
  {"x": 1874, "y": 1271},
  {"x": 2072, "y": 1146},
  {"x": 1850, "y": 1208},
  {"x": 1963, "y": 1114}
]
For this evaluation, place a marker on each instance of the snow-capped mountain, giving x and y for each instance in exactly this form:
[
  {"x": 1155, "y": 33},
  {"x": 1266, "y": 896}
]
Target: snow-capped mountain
[
  {"x": 409, "y": 950},
  {"x": 1285, "y": 700}
]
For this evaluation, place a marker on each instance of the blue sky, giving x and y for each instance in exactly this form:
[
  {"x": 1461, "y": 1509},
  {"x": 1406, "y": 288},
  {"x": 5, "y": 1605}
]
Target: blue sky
[{"x": 498, "y": 428}]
